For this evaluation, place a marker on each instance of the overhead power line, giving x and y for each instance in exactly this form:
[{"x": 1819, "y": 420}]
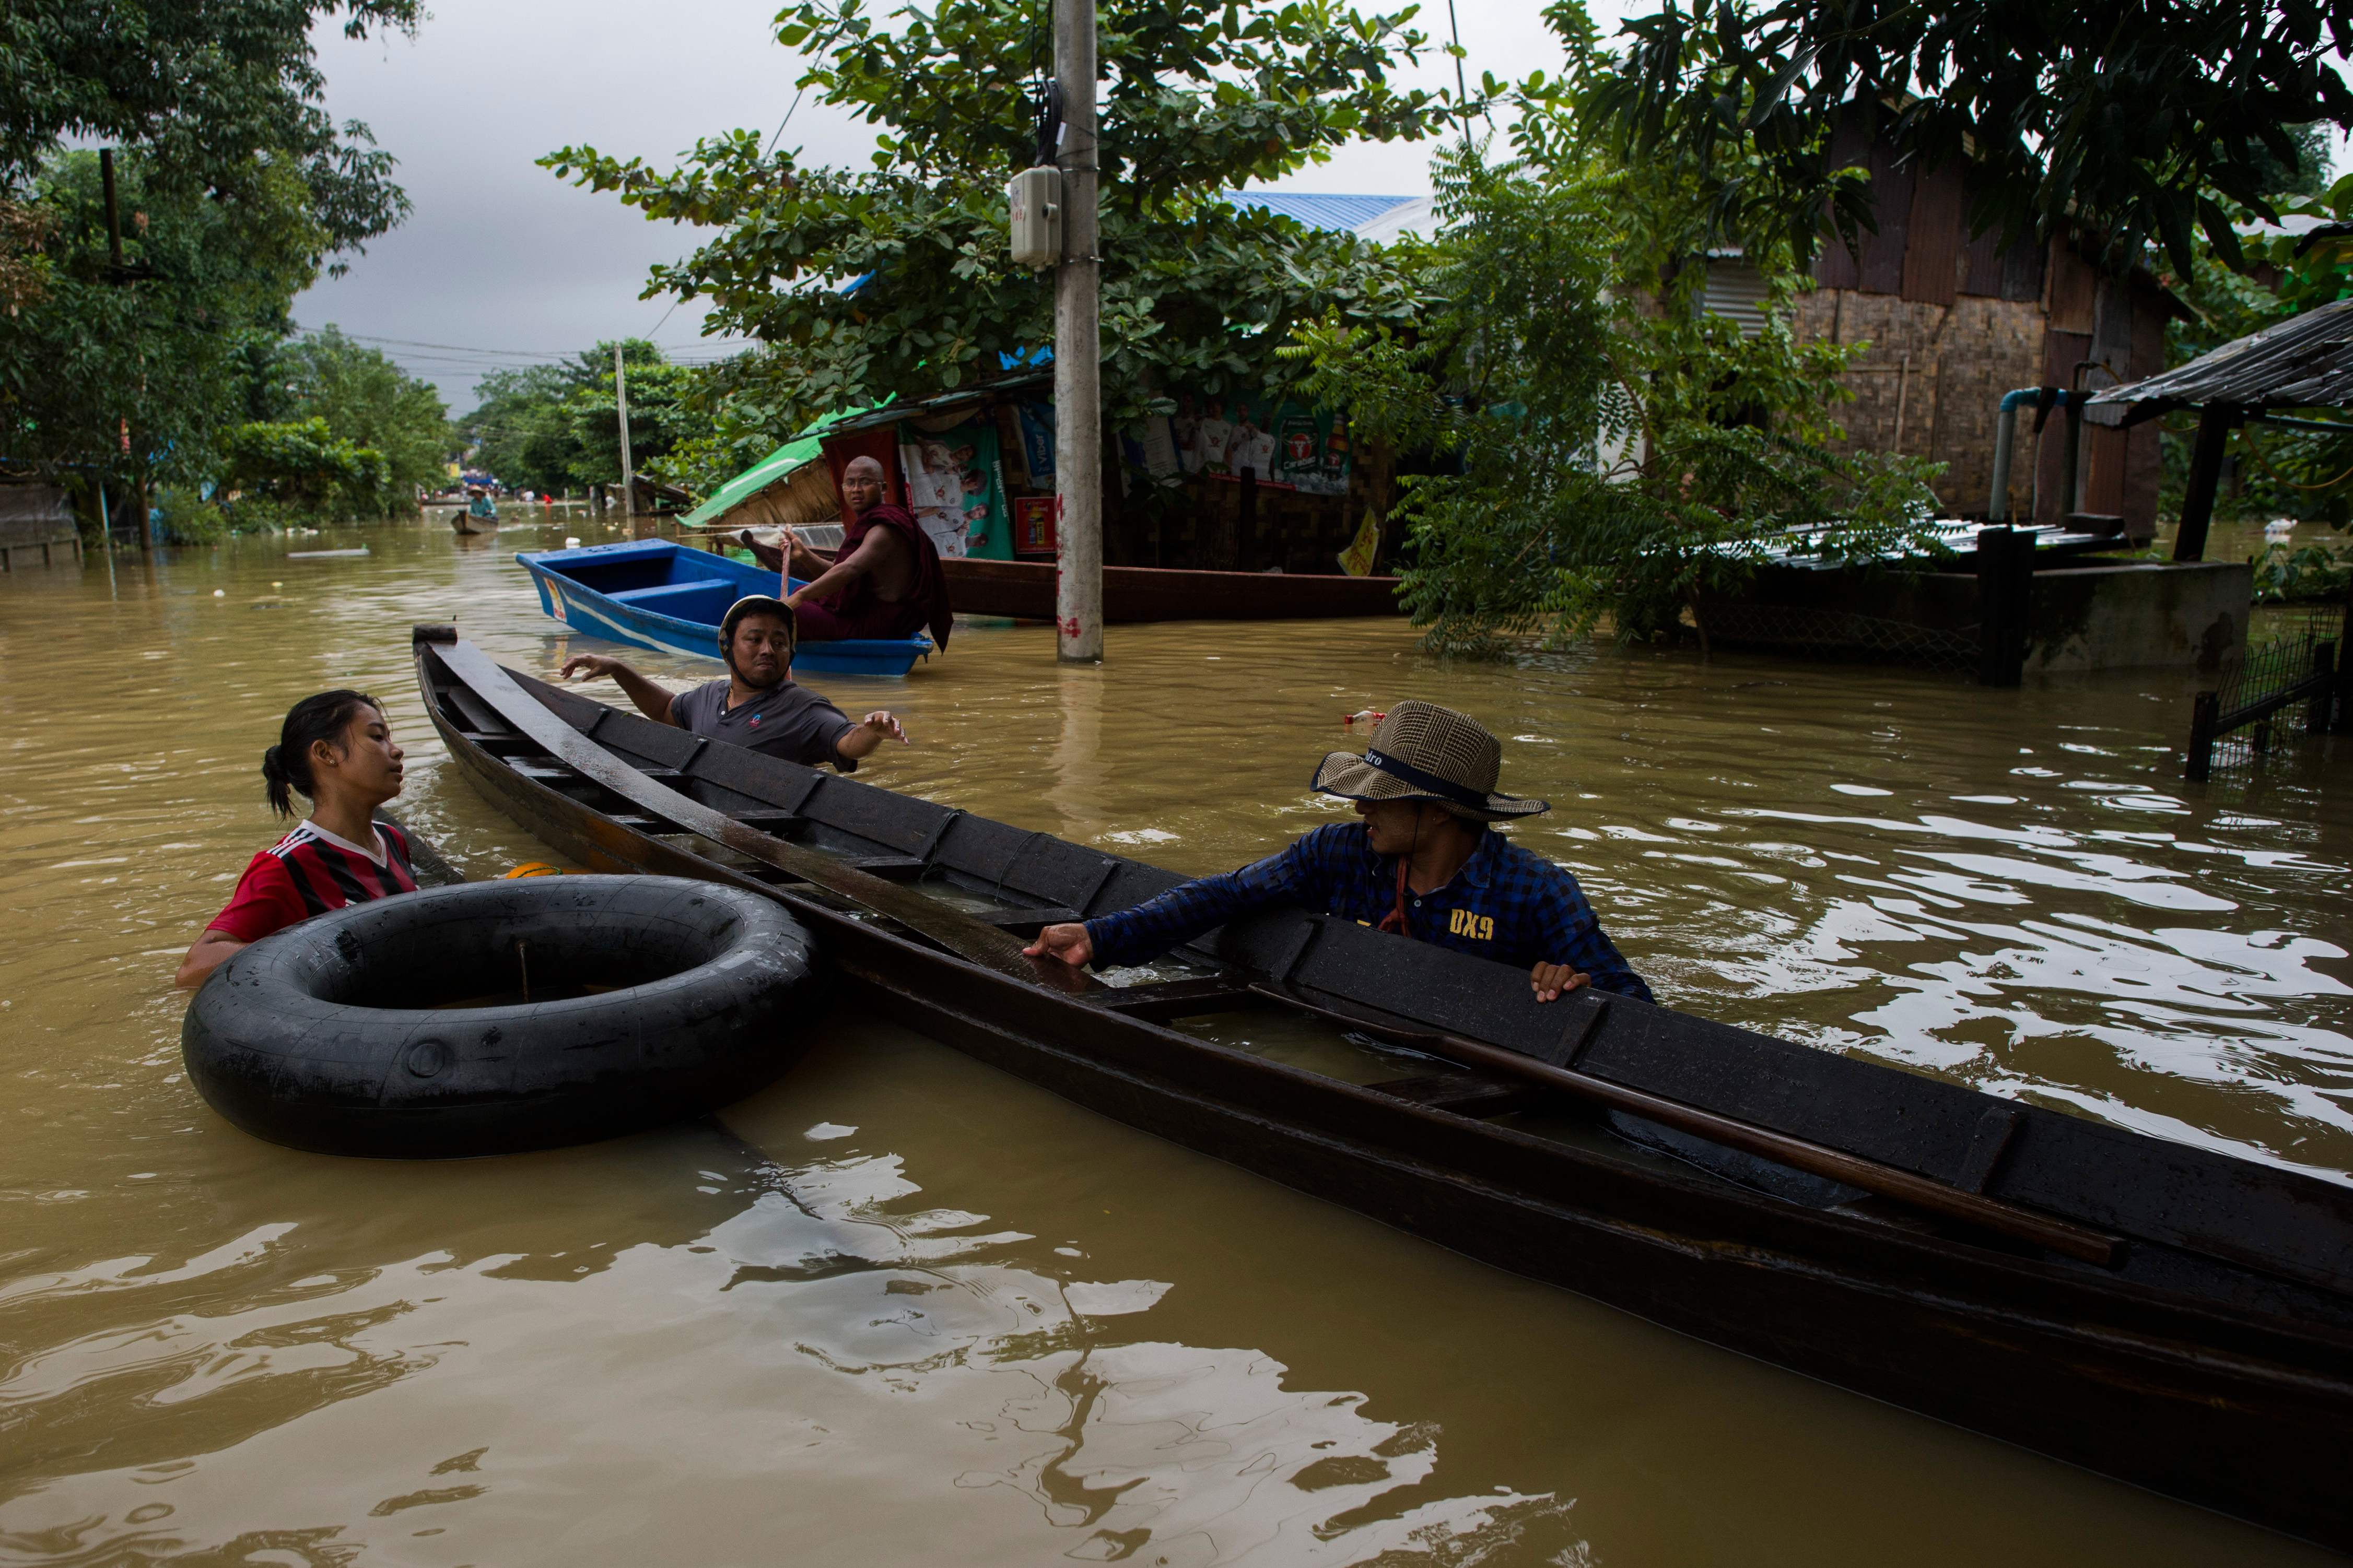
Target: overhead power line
[{"x": 704, "y": 351}]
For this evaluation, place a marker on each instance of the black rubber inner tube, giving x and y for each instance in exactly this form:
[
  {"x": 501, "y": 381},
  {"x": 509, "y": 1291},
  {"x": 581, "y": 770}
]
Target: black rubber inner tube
[{"x": 497, "y": 1016}]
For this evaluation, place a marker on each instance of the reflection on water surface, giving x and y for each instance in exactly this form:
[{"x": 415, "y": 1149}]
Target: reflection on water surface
[{"x": 899, "y": 1308}]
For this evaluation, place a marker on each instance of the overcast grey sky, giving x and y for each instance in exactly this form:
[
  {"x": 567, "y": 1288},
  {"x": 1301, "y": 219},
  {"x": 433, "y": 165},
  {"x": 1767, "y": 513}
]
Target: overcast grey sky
[{"x": 501, "y": 258}]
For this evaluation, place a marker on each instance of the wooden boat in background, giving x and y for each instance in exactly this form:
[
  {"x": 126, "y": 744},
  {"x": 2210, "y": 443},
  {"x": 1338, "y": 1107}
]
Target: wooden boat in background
[
  {"x": 1024, "y": 590},
  {"x": 2168, "y": 1315},
  {"x": 659, "y": 593}
]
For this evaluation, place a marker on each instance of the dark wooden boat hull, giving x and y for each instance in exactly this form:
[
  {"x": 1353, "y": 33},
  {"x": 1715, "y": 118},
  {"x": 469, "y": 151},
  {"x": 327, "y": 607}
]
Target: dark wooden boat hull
[
  {"x": 2225, "y": 1382},
  {"x": 1024, "y": 590}
]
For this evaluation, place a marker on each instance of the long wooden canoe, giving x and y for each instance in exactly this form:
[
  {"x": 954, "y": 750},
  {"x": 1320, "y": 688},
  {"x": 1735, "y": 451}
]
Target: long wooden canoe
[
  {"x": 2208, "y": 1354},
  {"x": 1024, "y": 590}
]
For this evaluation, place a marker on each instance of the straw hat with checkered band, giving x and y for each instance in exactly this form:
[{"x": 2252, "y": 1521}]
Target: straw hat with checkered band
[{"x": 1423, "y": 751}]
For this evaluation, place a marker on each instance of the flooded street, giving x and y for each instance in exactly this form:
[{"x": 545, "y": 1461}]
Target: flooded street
[{"x": 901, "y": 1308}]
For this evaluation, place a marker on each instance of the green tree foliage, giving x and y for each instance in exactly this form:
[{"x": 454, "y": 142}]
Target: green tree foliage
[
  {"x": 304, "y": 469},
  {"x": 373, "y": 405},
  {"x": 223, "y": 94},
  {"x": 665, "y": 408},
  {"x": 2135, "y": 122},
  {"x": 1197, "y": 98},
  {"x": 1604, "y": 447},
  {"x": 520, "y": 428},
  {"x": 236, "y": 187},
  {"x": 555, "y": 427},
  {"x": 158, "y": 359}
]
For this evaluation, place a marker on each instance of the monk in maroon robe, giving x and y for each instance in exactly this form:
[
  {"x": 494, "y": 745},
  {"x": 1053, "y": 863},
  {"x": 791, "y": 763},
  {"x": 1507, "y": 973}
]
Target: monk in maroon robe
[{"x": 884, "y": 581}]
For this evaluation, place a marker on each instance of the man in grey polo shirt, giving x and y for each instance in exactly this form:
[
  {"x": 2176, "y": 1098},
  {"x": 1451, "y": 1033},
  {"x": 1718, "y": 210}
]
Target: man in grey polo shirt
[{"x": 757, "y": 706}]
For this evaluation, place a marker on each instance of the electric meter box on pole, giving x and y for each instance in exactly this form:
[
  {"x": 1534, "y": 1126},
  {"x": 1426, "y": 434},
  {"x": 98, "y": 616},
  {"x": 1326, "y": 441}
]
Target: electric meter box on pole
[{"x": 1034, "y": 202}]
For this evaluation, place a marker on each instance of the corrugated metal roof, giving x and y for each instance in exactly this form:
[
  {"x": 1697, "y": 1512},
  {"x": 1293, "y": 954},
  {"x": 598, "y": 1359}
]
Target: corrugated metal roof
[
  {"x": 1736, "y": 291},
  {"x": 1318, "y": 211},
  {"x": 1418, "y": 216},
  {"x": 2305, "y": 362}
]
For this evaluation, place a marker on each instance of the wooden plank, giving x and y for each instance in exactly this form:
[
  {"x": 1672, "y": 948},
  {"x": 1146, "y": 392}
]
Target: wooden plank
[
  {"x": 1462, "y": 1093},
  {"x": 2023, "y": 266},
  {"x": 1983, "y": 258},
  {"x": 1890, "y": 191},
  {"x": 1136, "y": 594},
  {"x": 1987, "y": 1146},
  {"x": 1029, "y": 923},
  {"x": 2074, "y": 293},
  {"x": 1836, "y": 266},
  {"x": 1180, "y": 998},
  {"x": 1887, "y": 1181},
  {"x": 1935, "y": 231}
]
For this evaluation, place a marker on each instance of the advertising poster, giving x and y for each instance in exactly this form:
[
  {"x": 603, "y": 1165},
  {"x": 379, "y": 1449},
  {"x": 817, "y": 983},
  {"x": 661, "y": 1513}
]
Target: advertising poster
[
  {"x": 1285, "y": 444},
  {"x": 954, "y": 489},
  {"x": 1038, "y": 443}
]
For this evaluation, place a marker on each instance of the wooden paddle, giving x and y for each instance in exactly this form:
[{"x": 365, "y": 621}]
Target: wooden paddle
[{"x": 1886, "y": 1181}]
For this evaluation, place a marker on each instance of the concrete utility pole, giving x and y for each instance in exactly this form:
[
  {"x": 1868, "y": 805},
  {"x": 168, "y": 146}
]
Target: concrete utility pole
[
  {"x": 1078, "y": 352},
  {"x": 629, "y": 467}
]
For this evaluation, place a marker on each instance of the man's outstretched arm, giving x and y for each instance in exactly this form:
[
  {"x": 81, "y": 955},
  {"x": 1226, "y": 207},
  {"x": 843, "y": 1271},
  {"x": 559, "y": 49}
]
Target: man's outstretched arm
[
  {"x": 652, "y": 701},
  {"x": 1183, "y": 912}
]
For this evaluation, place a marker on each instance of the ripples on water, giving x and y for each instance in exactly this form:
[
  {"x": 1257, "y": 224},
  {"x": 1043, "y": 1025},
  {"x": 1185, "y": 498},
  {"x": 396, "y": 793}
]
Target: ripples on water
[{"x": 899, "y": 1308}]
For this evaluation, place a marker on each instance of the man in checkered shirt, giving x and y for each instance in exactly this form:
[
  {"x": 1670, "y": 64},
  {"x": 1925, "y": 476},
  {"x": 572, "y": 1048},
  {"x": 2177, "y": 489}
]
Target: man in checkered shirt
[{"x": 1423, "y": 862}]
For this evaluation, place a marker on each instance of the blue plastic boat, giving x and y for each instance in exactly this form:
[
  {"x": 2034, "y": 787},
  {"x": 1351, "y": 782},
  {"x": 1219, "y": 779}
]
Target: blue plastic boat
[{"x": 659, "y": 593}]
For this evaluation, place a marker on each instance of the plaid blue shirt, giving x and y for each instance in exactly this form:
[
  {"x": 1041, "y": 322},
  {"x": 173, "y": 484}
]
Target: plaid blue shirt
[{"x": 1506, "y": 904}]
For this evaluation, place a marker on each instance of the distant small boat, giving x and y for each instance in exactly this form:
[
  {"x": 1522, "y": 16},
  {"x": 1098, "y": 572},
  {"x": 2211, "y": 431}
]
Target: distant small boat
[
  {"x": 659, "y": 593},
  {"x": 323, "y": 555}
]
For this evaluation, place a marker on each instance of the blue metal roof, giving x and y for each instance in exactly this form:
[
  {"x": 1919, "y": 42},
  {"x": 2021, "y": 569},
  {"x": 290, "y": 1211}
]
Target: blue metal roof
[{"x": 1318, "y": 211}]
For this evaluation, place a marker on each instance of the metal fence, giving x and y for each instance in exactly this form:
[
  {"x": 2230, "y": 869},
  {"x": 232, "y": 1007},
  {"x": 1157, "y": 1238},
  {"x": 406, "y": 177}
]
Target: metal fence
[{"x": 2293, "y": 684}]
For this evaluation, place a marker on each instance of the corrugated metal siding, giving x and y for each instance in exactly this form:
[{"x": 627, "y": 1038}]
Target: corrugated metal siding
[
  {"x": 1932, "y": 255},
  {"x": 1891, "y": 190},
  {"x": 1736, "y": 291}
]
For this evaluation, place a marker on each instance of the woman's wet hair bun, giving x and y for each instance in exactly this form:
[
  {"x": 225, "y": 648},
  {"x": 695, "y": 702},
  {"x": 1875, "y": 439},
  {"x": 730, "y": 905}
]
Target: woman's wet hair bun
[{"x": 286, "y": 767}]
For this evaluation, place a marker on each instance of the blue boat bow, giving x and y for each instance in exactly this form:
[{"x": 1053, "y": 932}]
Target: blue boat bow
[{"x": 659, "y": 593}]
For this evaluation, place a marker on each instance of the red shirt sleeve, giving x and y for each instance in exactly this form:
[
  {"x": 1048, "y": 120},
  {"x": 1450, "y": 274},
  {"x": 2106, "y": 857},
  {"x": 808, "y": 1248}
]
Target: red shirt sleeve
[{"x": 265, "y": 900}]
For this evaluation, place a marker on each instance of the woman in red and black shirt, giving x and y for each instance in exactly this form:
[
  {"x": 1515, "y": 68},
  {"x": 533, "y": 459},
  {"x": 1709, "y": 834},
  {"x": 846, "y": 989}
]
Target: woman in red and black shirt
[{"x": 336, "y": 748}]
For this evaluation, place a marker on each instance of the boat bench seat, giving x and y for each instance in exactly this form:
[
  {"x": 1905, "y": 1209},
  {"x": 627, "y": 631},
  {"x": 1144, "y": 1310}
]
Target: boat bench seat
[{"x": 673, "y": 593}]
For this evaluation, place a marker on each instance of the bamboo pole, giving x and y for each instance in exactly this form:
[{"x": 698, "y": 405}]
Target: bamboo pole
[{"x": 629, "y": 467}]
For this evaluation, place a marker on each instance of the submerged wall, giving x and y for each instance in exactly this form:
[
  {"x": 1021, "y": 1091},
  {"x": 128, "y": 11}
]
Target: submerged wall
[
  {"x": 2191, "y": 616},
  {"x": 2102, "y": 615}
]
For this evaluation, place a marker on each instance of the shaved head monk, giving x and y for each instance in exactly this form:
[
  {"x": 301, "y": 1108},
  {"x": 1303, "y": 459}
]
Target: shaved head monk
[{"x": 884, "y": 581}]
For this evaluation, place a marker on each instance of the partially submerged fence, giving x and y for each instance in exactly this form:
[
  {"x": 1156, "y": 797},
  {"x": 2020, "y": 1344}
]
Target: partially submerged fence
[{"x": 2255, "y": 705}]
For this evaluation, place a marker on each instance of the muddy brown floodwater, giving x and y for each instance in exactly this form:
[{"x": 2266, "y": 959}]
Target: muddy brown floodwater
[{"x": 899, "y": 1308}]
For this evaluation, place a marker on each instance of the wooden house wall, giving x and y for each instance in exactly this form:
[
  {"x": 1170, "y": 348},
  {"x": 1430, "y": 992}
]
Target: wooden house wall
[{"x": 1954, "y": 320}]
